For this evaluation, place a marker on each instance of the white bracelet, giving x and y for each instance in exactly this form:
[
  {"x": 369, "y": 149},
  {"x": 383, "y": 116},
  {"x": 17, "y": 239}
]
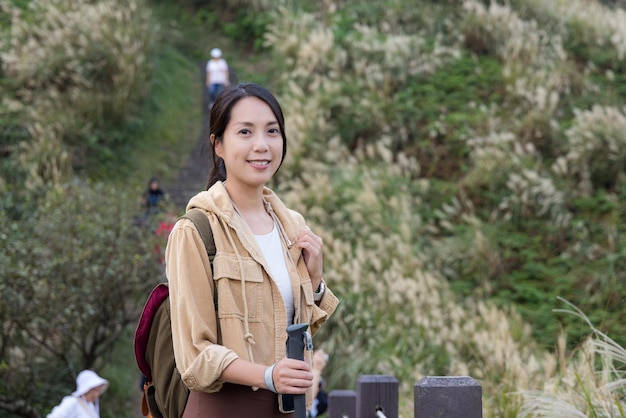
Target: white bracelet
[{"x": 269, "y": 378}]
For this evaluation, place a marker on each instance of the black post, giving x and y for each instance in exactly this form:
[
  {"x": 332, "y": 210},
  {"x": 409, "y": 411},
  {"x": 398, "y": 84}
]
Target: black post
[
  {"x": 448, "y": 397},
  {"x": 342, "y": 404},
  {"x": 377, "y": 393},
  {"x": 296, "y": 338}
]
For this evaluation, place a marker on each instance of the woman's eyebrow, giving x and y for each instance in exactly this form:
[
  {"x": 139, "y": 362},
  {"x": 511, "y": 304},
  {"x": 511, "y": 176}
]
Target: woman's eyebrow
[{"x": 247, "y": 123}]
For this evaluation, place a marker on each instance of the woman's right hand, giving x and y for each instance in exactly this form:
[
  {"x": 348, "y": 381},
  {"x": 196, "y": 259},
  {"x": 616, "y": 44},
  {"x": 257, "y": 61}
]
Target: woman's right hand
[{"x": 292, "y": 376}]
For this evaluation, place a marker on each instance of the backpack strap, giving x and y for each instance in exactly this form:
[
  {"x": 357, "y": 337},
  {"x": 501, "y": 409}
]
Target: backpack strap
[{"x": 201, "y": 221}]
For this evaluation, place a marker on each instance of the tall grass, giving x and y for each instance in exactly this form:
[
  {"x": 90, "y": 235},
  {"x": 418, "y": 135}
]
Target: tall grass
[
  {"x": 73, "y": 75},
  {"x": 462, "y": 160},
  {"x": 590, "y": 383},
  {"x": 398, "y": 241}
]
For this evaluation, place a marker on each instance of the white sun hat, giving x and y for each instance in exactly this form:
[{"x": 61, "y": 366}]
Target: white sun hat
[
  {"x": 87, "y": 380},
  {"x": 216, "y": 52}
]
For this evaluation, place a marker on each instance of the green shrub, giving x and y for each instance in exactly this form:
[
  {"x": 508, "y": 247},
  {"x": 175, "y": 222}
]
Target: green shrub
[{"x": 74, "y": 272}]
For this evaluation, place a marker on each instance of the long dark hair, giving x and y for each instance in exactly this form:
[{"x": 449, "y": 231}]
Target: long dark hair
[{"x": 220, "y": 117}]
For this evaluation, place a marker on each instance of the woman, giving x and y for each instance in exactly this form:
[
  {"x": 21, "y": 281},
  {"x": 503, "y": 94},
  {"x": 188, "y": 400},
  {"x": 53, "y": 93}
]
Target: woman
[
  {"x": 267, "y": 271},
  {"x": 84, "y": 401}
]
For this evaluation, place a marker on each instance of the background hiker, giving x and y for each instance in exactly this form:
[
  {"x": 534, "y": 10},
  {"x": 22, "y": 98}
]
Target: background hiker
[
  {"x": 153, "y": 198},
  {"x": 267, "y": 271},
  {"x": 217, "y": 75},
  {"x": 84, "y": 401},
  {"x": 153, "y": 202}
]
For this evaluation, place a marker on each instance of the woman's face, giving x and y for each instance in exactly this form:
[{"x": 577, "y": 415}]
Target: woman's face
[
  {"x": 252, "y": 145},
  {"x": 94, "y": 394}
]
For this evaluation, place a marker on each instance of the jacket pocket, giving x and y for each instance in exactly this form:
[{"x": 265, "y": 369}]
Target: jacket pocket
[{"x": 231, "y": 287}]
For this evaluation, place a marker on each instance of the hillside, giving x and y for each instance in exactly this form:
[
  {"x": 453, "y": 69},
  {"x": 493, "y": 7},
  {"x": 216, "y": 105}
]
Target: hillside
[{"x": 463, "y": 161}]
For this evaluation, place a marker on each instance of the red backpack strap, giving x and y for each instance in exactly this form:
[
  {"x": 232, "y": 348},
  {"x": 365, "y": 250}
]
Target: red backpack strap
[{"x": 156, "y": 298}]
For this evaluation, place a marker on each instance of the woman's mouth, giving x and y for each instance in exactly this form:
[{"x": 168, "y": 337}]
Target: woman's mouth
[{"x": 259, "y": 163}]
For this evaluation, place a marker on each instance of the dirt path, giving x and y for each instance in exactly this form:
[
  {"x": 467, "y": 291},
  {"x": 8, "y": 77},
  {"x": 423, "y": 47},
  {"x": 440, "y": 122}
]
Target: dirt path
[{"x": 194, "y": 173}]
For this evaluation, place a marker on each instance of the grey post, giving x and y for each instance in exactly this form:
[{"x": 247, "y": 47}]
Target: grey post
[
  {"x": 448, "y": 397},
  {"x": 342, "y": 404},
  {"x": 377, "y": 393}
]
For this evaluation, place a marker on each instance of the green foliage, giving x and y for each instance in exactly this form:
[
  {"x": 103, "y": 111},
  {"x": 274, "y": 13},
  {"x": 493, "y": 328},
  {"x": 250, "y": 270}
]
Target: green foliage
[
  {"x": 441, "y": 109},
  {"x": 150, "y": 144},
  {"x": 75, "y": 270},
  {"x": 451, "y": 155},
  {"x": 248, "y": 26}
]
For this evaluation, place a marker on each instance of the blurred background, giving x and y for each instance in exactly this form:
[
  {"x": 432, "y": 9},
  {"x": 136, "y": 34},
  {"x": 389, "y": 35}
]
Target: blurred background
[{"x": 464, "y": 161}]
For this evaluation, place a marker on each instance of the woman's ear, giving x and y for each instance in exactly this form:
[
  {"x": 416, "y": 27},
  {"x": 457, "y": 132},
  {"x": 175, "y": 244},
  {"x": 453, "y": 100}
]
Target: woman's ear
[{"x": 217, "y": 145}]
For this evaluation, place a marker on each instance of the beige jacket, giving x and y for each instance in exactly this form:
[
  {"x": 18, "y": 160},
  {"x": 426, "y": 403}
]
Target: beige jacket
[{"x": 250, "y": 322}]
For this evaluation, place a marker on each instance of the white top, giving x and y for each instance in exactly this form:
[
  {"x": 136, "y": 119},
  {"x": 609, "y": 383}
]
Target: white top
[
  {"x": 272, "y": 249},
  {"x": 75, "y": 407},
  {"x": 217, "y": 70}
]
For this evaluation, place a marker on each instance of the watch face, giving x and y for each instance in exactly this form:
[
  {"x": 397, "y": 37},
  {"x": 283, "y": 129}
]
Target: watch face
[{"x": 317, "y": 295}]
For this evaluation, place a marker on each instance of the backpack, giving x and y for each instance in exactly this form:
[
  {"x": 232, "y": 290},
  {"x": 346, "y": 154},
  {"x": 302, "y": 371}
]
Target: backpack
[{"x": 165, "y": 395}]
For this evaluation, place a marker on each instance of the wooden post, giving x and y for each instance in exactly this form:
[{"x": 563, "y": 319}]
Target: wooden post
[
  {"x": 448, "y": 397},
  {"x": 377, "y": 393},
  {"x": 342, "y": 404}
]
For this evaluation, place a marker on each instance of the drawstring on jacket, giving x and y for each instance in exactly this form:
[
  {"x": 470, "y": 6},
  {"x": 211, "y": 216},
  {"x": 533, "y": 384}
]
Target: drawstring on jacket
[
  {"x": 248, "y": 336},
  {"x": 283, "y": 233},
  {"x": 269, "y": 210}
]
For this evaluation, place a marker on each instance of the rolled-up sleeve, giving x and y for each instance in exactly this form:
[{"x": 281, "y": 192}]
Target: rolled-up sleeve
[
  {"x": 323, "y": 310},
  {"x": 199, "y": 358}
]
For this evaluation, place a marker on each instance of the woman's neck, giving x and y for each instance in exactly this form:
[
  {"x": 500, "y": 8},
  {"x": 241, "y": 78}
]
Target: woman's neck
[
  {"x": 247, "y": 201},
  {"x": 251, "y": 207}
]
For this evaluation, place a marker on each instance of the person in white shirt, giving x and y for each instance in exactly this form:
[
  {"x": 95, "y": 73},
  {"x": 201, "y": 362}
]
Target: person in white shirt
[
  {"x": 217, "y": 75},
  {"x": 84, "y": 401}
]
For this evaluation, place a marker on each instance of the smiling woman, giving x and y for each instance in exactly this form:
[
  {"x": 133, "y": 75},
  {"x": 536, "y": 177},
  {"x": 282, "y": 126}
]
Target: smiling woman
[
  {"x": 254, "y": 150},
  {"x": 267, "y": 271}
]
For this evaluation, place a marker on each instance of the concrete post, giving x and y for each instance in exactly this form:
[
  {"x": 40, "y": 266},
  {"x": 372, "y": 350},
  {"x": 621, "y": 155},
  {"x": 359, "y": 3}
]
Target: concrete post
[
  {"x": 377, "y": 393},
  {"x": 342, "y": 404},
  {"x": 448, "y": 397}
]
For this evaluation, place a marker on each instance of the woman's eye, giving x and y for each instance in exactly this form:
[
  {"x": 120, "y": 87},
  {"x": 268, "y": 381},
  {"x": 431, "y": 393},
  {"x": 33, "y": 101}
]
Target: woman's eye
[
  {"x": 244, "y": 131},
  {"x": 274, "y": 131}
]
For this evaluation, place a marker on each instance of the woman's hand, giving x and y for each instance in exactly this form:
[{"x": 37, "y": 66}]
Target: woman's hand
[
  {"x": 311, "y": 246},
  {"x": 292, "y": 376}
]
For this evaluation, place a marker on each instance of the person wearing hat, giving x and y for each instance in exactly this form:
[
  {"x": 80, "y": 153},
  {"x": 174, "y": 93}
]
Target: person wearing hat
[
  {"x": 217, "y": 76},
  {"x": 84, "y": 401}
]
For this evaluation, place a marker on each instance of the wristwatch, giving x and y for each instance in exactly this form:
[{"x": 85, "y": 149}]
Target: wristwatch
[{"x": 317, "y": 295}]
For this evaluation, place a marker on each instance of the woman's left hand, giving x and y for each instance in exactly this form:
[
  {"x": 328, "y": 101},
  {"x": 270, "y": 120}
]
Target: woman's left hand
[{"x": 311, "y": 246}]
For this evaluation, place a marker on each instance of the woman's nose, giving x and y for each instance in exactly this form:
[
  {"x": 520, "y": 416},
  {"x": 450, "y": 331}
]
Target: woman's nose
[{"x": 260, "y": 142}]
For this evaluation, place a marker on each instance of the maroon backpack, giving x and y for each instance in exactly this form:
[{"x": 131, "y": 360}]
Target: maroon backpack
[{"x": 165, "y": 395}]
